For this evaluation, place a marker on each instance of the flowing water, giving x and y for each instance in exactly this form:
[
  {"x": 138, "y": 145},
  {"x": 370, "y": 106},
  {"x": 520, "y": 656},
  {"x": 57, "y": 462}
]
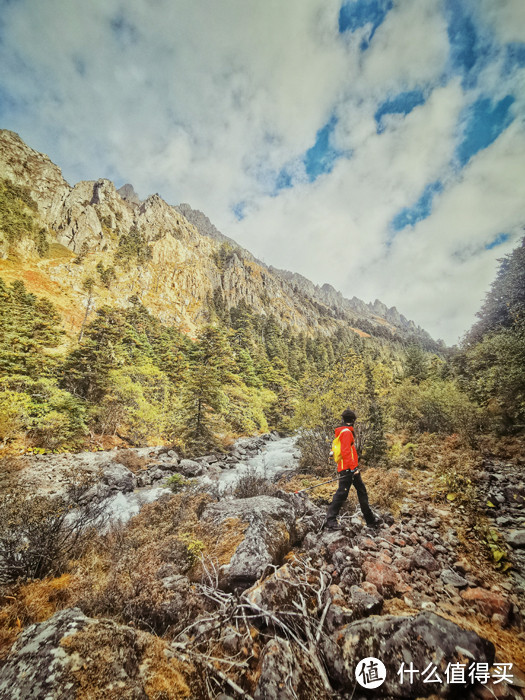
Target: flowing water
[{"x": 275, "y": 456}]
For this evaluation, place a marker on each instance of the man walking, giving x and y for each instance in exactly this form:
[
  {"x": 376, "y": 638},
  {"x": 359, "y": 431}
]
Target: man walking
[{"x": 347, "y": 466}]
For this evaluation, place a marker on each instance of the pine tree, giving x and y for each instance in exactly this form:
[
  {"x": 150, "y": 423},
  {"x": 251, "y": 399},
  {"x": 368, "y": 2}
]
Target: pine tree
[
  {"x": 416, "y": 364},
  {"x": 86, "y": 368},
  {"x": 28, "y": 327},
  {"x": 504, "y": 304},
  {"x": 211, "y": 366}
]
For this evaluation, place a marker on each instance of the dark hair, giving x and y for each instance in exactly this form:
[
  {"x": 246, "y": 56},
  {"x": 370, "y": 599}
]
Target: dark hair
[{"x": 349, "y": 416}]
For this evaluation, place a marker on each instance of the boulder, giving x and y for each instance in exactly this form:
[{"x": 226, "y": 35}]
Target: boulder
[
  {"x": 326, "y": 543},
  {"x": 287, "y": 673},
  {"x": 364, "y": 602},
  {"x": 267, "y": 538},
  {"x": 347, "y": 556},
  {"x": 421, "y": 640},
  {"x": 488, "y": 602},
  {"x": 451, "y": 578},
  {"x": 71, "y": 655},
  {"x": 168, "y": 466},
  {"x": 516, "y": 538},
  {"x": 384, "y": 577},
  {"x": 118, "y": 477},
  {"x": 189, "y": 468},
  {"x": 423, "y": 559},
  {"x": 276, "y": 592},
  {"x": 344, "y": 610},
  {"x": 144, "y": 479}
]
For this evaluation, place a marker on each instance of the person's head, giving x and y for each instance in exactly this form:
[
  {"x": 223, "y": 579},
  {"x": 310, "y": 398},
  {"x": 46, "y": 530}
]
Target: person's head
[{"x": 349, "y": 416}]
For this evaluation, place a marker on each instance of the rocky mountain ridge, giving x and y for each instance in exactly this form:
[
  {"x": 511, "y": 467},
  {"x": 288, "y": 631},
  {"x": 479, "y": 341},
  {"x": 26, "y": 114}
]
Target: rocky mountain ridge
[
  {"x": 325, "y": 294},
  {"x": 187, "y": 262}
]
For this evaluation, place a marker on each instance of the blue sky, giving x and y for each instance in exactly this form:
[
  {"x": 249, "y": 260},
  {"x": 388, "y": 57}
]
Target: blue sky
[{"x": 378, "y": 145}]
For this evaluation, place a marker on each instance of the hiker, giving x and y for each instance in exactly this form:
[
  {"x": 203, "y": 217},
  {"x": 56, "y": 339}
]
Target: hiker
[{"x": 348, "y": 467}]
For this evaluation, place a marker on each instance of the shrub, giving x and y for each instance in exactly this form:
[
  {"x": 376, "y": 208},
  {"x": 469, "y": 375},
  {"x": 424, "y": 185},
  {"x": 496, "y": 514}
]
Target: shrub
[
  {"x": 435, "y": 406},
  {"x": 135, "y": 403},
  {"x": 177, "y": 482},
  {"x": 386, "y": 488},
  {"x": 455, "y": 475},
  {"x": 40, "y": 534},
  {"x": 14, "y": 414},
  {"x": 250, "y": 484},
  {"x": 50, "y": 416},
  {"x": 121, "y": 574},
  {"x": 59, "y": 417},
  {"x": 315, "y": 445}
]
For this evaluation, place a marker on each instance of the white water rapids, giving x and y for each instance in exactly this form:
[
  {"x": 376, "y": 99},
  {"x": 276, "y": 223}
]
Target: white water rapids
[{"x": 275, "y": 456}]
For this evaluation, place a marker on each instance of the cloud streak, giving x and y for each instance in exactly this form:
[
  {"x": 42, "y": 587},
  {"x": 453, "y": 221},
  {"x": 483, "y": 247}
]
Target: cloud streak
[{"x": 374, "y": 144}]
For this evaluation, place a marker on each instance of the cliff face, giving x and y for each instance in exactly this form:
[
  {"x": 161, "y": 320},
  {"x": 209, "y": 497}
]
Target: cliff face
[{"x": 188, "y": 260}]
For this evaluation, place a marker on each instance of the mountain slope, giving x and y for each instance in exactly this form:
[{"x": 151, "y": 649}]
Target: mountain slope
[{"x": 172, "y": 258}]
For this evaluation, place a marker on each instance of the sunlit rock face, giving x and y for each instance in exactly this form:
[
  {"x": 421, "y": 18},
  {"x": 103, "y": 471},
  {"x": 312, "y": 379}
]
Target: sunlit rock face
[{"x": 187, "y": 261}]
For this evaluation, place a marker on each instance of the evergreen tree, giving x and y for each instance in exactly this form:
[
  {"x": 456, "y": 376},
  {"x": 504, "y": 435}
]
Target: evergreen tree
[
  {"x": 211, "y": 365},
  {"x": 28, "y": 328},
  {"x": 504, "y": 304},
  {"x": 416, "y": 364},
  {"x": 375, "y": 445},
  {"x": 86, "y": 368}
]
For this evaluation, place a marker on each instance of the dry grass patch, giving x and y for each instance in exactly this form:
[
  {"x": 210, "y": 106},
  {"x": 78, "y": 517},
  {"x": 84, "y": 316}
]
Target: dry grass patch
[
  {"x": 386, "y": 489},
  {"x": 122, "y": 574},
  {"x": 319, "y": 495},
  {"x": 220, "y": 546},
  {"x": 131, "y": 460},
  {"x": 103, "y": 648},
  {"x": 32, "y": 602}
]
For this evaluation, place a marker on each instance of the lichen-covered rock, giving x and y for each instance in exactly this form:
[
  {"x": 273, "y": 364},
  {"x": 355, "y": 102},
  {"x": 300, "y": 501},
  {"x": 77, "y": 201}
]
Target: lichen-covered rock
[
  {"x": 452, "y": 578},
  {"x": 276, "y": 592},
  {"x": 326, "y": 543},
  {"x": 286, "y": 673},
  {"x": 118, "y": 477},
  {"x": 383, "y": 576},
  {"x": 188, "y": 467},
  {"x": 267, "y": 538},
  {"x": 71, "y": 655},
  {"x": 421, "y": 640}
]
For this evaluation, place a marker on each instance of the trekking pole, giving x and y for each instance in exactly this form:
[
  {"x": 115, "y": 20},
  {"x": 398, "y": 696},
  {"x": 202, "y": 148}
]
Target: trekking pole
[
  {"x": 356, "y": 471},
  {"x": 317, "y": 485}
]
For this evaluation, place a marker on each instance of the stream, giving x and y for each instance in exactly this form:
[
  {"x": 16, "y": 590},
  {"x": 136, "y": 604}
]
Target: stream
[{"x": 275, "y": 456}]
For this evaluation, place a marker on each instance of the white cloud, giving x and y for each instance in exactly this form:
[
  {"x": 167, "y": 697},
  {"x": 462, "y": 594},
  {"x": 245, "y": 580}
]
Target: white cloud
[
  {"x": 409, "y": 49},
  {"x": 347, "y": 212},
  {"x": 438, "y": 271},
  {"x": 506, "y": 18}
]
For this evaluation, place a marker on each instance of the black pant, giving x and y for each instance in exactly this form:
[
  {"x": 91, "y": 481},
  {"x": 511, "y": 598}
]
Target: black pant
[{"x": 340, "y": 496}]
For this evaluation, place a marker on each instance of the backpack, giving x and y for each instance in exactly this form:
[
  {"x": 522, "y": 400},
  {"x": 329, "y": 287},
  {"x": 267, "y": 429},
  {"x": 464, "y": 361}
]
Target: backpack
[{"x": 336, "y": 447}]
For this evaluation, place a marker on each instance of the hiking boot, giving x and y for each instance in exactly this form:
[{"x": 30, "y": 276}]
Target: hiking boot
[{"x": 331, "y": 525}]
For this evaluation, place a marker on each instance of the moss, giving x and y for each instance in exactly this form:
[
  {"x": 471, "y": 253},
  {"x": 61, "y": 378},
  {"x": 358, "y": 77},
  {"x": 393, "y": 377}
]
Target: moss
[{"x": 111, "y": 662}]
